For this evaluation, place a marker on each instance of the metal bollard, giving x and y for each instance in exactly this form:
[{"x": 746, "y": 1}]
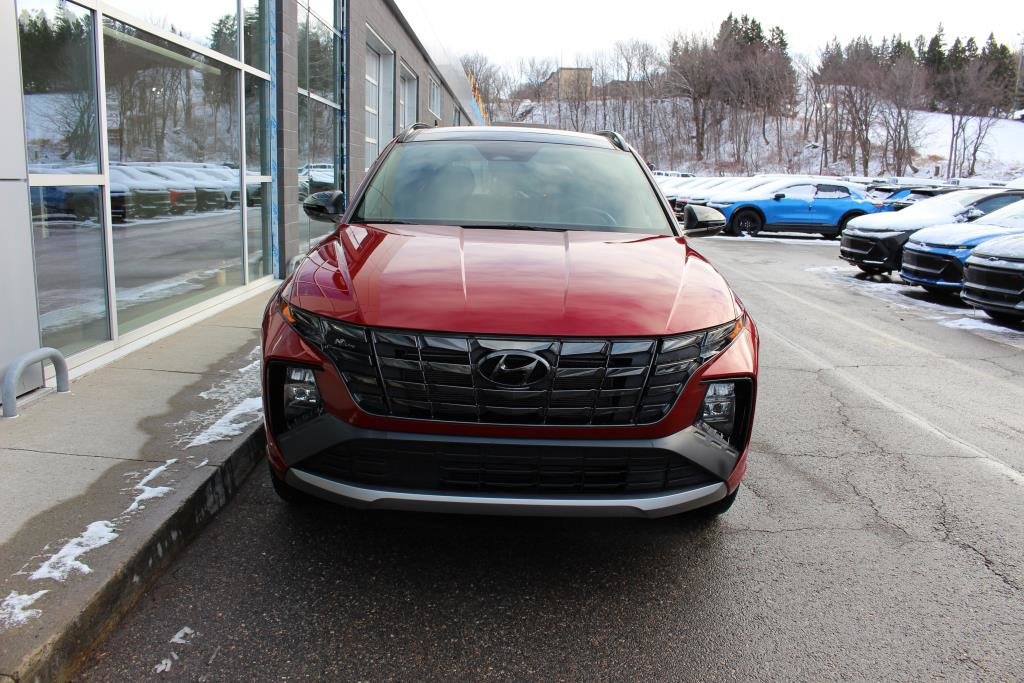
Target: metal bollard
[{"x": 17, "y": 367}]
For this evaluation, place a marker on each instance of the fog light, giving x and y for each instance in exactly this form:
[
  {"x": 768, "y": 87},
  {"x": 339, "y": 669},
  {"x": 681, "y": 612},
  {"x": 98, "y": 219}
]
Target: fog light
[
  {"x": 301, "y": 397},
  {"x": 719, "y": 410}
]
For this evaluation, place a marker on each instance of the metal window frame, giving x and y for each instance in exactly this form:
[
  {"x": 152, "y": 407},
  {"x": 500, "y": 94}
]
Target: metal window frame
[{"x": 433, "y": 85}]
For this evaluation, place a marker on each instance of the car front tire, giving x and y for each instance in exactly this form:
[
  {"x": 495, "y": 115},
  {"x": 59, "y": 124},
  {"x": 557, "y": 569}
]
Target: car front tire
[{"x": 747, "y": 221}]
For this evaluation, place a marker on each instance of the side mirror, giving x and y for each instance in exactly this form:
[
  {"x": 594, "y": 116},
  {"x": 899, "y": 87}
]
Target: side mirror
[
  {"x": 973, "y": 213},
  {"x": 779, "y": 195},
  {"x": 702, "y": 221},
  {"x": 326, "y": 207}
]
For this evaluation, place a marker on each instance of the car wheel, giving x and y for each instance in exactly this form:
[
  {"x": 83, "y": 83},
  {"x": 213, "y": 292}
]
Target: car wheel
[
  {"x": 870, "y": 270},
  {"x": 287, "y": 492},
  {"x": 1000, "y": 316},
  {"x": 749, "y": 222}
]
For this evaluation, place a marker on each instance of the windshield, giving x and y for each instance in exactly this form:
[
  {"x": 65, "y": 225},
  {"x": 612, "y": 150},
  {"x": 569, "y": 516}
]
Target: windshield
[
  {"x": 495, "y": 183},
  {"x": 1011, "y": 216}
]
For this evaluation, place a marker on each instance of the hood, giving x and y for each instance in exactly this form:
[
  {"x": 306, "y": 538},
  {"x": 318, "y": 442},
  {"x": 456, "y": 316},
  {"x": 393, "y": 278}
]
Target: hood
[
  {"x": 572, "y": 283},
  {"x": 907, "y": 219},
  {"x": 962, "y": 234},
  {"x": 1010, "y": 247}
]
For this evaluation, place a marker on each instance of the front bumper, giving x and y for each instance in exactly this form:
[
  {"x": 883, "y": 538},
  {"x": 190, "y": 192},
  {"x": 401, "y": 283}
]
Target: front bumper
[
  {"x": 367, "y": 468},
  {"x": 871, "y": 249},
  {"x": 935, "y": 267},
  {"x": 994, "y": 284}
]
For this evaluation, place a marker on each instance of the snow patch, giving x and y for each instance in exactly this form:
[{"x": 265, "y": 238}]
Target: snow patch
[
  {"x": 148, "y": 492},
  {"x": 980, "y": 326},
  {"x": 238, "y": 404},
  {"x": 65, "y": 560},
  {"x": 14, "y": 610},
  {"x": 184, "y": 636},
  {"x": 231, "y": 424},
  {"x": 202, "y": 464},
  {"x": 916, "y": 300}
]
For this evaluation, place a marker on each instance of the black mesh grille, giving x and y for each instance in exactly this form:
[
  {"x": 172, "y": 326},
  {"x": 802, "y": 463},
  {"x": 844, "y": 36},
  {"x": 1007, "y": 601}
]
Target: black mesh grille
[
  {"x": 499, "y": 468},
  {"x": 859, "y": 247},
  {"x": 932, "y": 266},
  {"x": 584, "y": 382},
  {"x": 986, "y": 284}
]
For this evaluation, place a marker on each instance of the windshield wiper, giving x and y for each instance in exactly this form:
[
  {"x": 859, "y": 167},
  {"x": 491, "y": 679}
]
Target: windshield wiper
[
  {"x": 513, "y": 226},
  {"x": 381, "y": 221}
]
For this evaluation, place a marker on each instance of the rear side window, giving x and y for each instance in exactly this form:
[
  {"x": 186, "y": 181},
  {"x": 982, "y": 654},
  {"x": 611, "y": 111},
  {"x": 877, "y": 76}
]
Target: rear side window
[
  {"x": 832, "y": 192},
  {"x": 493, "y": 182},
  {"x": 799, "y": 192}
]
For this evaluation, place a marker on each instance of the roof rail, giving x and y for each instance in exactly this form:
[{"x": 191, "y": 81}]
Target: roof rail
[
  {"x": 419, "y": 125},
  {"x": 615, "y": 138}
]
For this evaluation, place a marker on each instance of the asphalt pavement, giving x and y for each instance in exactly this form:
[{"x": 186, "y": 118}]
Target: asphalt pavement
[{"x": 879, "y": 534}]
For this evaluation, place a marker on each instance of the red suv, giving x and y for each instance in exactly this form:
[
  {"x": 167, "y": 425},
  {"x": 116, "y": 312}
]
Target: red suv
[{"x": 509, "y": 320}]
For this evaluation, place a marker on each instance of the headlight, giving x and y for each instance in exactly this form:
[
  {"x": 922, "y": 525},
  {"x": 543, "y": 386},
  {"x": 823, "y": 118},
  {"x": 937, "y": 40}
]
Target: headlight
[
  {"x": 726, "y": 411},
  {"x": 719, "y": 205},
  {"x": 719, "y": 409},
  {"x": 301, "y": 396},
  {"x": 348, "y": 346}
]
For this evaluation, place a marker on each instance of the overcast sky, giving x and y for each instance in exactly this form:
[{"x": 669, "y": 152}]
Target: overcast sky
[{"x": 505, "y": 31}]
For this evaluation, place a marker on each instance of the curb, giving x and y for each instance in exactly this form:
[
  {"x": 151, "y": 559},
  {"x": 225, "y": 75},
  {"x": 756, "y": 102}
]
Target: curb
[{"x": 59, "y": 657}]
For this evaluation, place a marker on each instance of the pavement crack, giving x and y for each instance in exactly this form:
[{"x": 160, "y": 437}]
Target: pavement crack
[
  {"x": 83, "y": 455},
  {"x": 784, "y": 530},
  {"x": 945, "y": 523}
]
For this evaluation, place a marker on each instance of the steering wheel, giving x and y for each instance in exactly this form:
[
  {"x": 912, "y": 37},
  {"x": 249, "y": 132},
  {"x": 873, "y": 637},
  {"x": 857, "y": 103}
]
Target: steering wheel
[{"x": 603, "y": 217}]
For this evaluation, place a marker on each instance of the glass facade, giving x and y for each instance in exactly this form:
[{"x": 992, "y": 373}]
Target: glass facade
[
  {"x": 58, "y": 76},
  {"x": 170, "y": 202},
  {"x": 71, "y": 280},
  {"x": 152, "y": 142},
  {"x": 320, "y": 158}
]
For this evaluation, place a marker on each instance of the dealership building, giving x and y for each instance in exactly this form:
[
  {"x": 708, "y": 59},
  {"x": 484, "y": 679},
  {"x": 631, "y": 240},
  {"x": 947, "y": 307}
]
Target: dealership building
[{"x": 154, "y": 154}]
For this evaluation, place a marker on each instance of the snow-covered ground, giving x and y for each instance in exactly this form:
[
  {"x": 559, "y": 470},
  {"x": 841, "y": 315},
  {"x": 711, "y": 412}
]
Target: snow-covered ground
[{"x": 946, "y": 312}]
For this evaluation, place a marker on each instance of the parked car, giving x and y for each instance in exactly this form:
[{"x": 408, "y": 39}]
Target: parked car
[
  {"x": 934, "y": 257},
  {"x": 206, "y": 193},
  {"x": 901, "y": 199},
  {"x": 508, "y": 322},
  {"x": 874, "y": 242},
  {"x": 181, "y": 195},
  {"x": 794, "y": 205},
  {"x": 994, "y": 278},
  {"x": 83, "y": 202},
  {"x": 149, "y": 197}
]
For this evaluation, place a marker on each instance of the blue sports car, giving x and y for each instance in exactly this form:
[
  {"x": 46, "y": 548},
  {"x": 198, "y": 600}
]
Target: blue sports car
[
  {"x": 934, "y": 257},
  {"x": 794, "y": 205}
]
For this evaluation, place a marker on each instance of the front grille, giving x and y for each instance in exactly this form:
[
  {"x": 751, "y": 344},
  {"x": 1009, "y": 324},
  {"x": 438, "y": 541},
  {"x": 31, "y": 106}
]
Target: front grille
[
  {"x": 508, "y": 469},
  {"x": 855, "y": 246},
  {"x": 438, "y": 377},
  {"x": 1001, "y": 286},
  {"x": 932, "y": 266}
]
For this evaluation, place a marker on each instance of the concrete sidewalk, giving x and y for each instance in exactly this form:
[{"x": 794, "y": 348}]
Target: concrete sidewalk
[{"x": 100, "y": 487}]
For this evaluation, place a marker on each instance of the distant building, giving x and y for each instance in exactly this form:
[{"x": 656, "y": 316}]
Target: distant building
[{"x": 567, "y": 81}]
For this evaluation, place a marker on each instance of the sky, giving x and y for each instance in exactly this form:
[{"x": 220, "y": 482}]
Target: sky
[{"x": 565, "y": 28}]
